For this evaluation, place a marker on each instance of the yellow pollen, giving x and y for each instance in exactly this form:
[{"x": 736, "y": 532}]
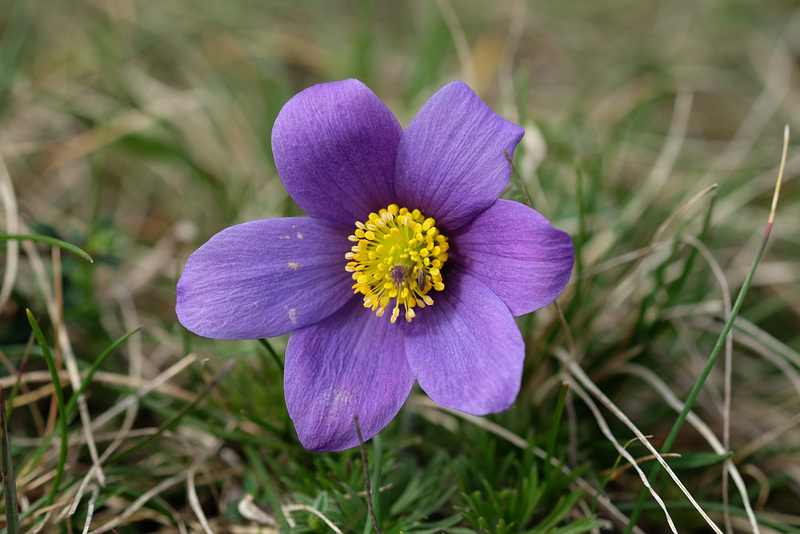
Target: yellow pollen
[{"x": 397, "y": 254}]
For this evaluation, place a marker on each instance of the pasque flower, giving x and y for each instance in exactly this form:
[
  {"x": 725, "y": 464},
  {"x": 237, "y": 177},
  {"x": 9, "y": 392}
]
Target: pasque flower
[{"x": 408, "y": 267}]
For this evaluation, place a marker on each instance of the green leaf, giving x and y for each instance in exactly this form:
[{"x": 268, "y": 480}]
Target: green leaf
[
  {"x": 62, "y": 412},
  {"x": 50, "y": 241}
]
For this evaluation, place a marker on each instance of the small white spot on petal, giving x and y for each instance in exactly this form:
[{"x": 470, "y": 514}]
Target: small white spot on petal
[
  {"x": 299, "y": 235},
  {"x": 255, "y": 303},
  {"x": 293, "y": 315},
  {"x": 341, "y": 399},
  {"x": 285, "y": 237},
  {"x": 293, "y": 265}
]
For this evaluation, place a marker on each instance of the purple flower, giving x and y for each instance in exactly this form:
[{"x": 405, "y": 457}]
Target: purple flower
[{"x": 406, "y": 222}]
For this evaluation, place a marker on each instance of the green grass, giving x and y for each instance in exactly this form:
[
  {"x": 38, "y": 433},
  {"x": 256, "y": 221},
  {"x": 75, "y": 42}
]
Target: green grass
[{"x": 130, "y": 132}]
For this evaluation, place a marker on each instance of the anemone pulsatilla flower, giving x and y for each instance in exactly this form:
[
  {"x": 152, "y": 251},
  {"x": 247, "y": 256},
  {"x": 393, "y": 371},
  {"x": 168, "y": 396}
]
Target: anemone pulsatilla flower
[{"x": 408, "y": 267}]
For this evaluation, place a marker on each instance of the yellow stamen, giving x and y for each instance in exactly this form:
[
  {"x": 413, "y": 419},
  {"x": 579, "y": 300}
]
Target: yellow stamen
[{"x": 398, "y": 254}]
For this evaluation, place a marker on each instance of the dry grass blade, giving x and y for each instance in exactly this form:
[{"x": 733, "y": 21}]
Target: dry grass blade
[
  {"x": 624, "y": 453},
  {"x": 766, "y": 341},
  {"x": 9, "y": 200},
  {"x": 305, "y": 508},
  {"x": 90, "y": 508},
  {"x": 35, "y": 377},
  {"x": 612, "y": 475},
  {"x": 576, "y": 371},
  {"x": 632, "y": 282},
  {"x": 143, "y": 390},
  {"x": 250, "y": 510},
  {"x": 194, "y": 501},
  {"x": 777, "y": 193},
  {"x": 191, "y": 489},
  {"x": 765, "y": 439},
  {"x": 138, "y": 503},
  {"x": 685, "y": 206},
  {"x": 179, "y": 414},
  {"x": 699, "y": 425}
]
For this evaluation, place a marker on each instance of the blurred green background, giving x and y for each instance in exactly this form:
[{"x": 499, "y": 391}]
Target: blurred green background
[{"x": 136, "y": 129}]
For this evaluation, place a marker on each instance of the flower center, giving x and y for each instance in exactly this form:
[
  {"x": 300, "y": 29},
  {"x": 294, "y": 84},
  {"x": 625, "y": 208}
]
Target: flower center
[{"x": 398, "y": 254}]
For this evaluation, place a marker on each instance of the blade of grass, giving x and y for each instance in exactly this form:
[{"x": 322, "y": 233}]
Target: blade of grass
[
  {"x": 50, "y": 241},
  {"x": 62, "y": 412},
  {"x": 257, "y": 465},
  {"x": 551, "y": 442},
  {"x": 266, "y": 344},
  {"x": 722, "y": 337},
  {"x": 377, "y": 475},
  {"x": 7, "y": 469}
]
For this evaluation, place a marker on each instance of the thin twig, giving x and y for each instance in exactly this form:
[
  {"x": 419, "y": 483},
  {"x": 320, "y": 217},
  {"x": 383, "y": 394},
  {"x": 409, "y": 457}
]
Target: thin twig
[
  {"x": 366, "y": 475},
  {"x": 515, "y": 173}
]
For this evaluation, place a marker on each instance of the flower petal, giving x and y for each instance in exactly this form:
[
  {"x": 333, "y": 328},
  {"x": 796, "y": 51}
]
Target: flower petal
[
  {"x": 351, "y": 363},
  {"x": 466, "y": 350},
  {"x": 334, "y": 146},
  {"x": 451, "y": 161},
  {"x": 517, "y": 253},
  {"x": 265, "y": 278}
]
